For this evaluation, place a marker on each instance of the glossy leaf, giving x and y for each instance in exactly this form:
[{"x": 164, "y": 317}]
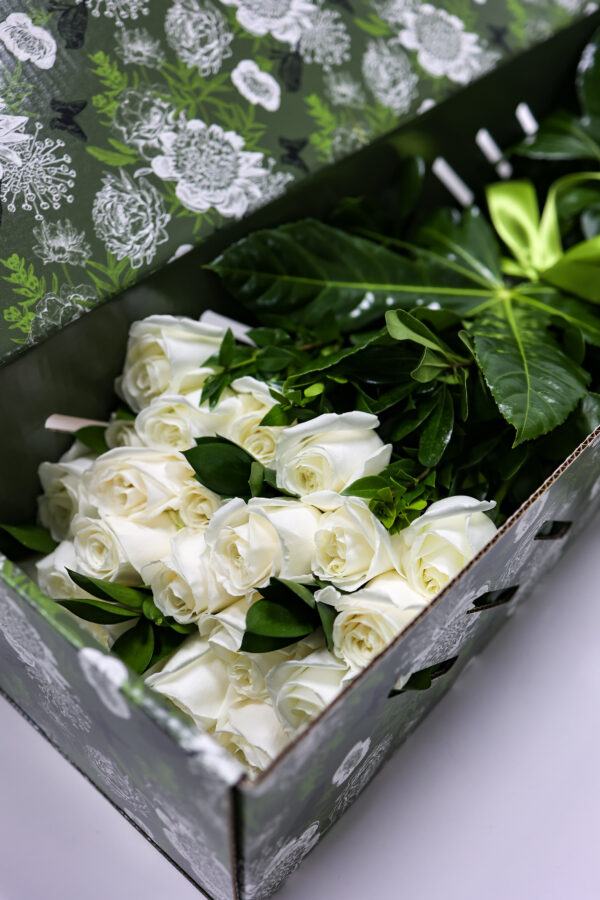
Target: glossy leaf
[
  {"x": 319, "y": 273},
  {"x": 533, "y": 382},
  {"x": 131, "y": 597},
  {"x": 327, "y": 615},
  {"x": 278, "y": 620},
  {"x": 136, "y": 647},
  {"x": 93, "y": 437},
  {"x": 437, "y": 431},
  {"x": 32, "y": 536},
  {"x": 561, "y": 136},
  {"x": 98, "y": 611},
  {"x": 221, "y": 466}
]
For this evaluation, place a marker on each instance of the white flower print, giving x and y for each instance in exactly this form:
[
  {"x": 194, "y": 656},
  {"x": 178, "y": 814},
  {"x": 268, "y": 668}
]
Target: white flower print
[
  {"x": 41, "y": 666},
  {"x": 137, "y": 47},
  {"x": 60, "y": 242},
  {"x": 199, "y": 35},
  {"x": 62, "y": 705},
  {"x": 119, "y": 10},
  {"x": 24, "y": 639},
  {"x": 286, "y": 860},
  {"x": 360, "y": 778},
  {"x": 181, "y": 251},
  {"x": 130, "y": 218},
  {"x": 188, "y": 841},
  {"x": 28, "y": 41},
  {"x": 54, "y": 311},
  {"x": 393, "y": 11},
  {"x": 353, "y": 758},
  {"x": 442, "y": 44},
  {"x": 284, "y": 19},
  {"x": 347, "y": 139},
  {"x": 141, "y": 117},
  {"x": 211, "y": 168},
  {"x": 106, "y": 674},
  {"x": 389, "y": 75},
  {"x": 327, "y": 41},
  {"x": 39, "y": 179},
  {"x": 117, "y": 782},
  {"x": 256, "y": 86},
  {"x": 343, "y": 90},
  {"x": 11, "y": 133}
]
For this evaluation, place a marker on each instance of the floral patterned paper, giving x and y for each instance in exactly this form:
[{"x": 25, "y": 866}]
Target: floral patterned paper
[{"x": 130, "y": 128}]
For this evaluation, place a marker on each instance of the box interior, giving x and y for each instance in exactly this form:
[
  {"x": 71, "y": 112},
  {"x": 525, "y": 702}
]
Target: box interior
[{"x": 73, "y": 371}]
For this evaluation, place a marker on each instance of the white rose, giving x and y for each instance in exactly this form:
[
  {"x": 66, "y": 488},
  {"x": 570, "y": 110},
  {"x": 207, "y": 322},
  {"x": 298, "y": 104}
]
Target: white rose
[
  {"x": 52, "y": 575},
  {"x": 369, "y": 619},
  {"x": 225, "y": 629},
  {"x": 171, "y": 422},
  {"x": 246, "y": 407},
  {"x": 248, "y": 671},
  {"x": 438, "y": 544},
  {"x": 117, "y": 549},
  {"x": 250, "y": 543},
  {"x": 122, "y": 433},
  {"x": 300, "y": 689},
  {"x": 351, "y": 545},
  {"x": 195, "y": 680},
  {"x": 62, "y": 485},
  {"x": 182, "y": 582},
  {"x": 197, "y": 504},
  {"x": 250, "y": 731},
  {"x": 329, "y": 453},
  {"x": 55, "y": 581},
  {"x": 166, "y": 354},
  {"x": 137, "y": 482}
]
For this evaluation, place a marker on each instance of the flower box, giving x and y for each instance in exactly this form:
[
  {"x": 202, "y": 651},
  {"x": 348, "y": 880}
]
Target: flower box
[{"x": 231, "y": 836}]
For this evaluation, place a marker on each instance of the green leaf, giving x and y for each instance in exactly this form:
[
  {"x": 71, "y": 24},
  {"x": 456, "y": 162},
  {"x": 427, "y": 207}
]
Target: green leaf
[
  {"x": 567, "y": 311},
  {"x": 464, "y": 241},
  {"x": 257, "y": 478},
  {"x": 327, "y": 614},
  {"x": 313, "y": 271},
  {"x": 578, "y": 271},
  {"x": 259, "y": 643},
  {"x": 93, "y": 437},
  {"x": 98, "y": 611},
  {"x": 280, "y": 620},
  {"x": 33, "y": 537},
  {"x": 403, "y": 326},
  {"x": 151, "y": 611},
  {"x": 588, "y": 79},
  {"x": 410, "y": 421},
  {"x": 437, "y": 432},
  {"x": 110, "y": 157},
  {"x": 533, "y": 382},
  {"x": 227, "y": 349},
  {"x": 131, "y": 597},
  {"x": 430, "y": 367},
  {"x": 561, "y": 136},
  {"x": 221, "y": 466},
  {"x": 281, "y": 590},
  {"x": 367, "y": 487},
  {"x": 277, "y": 416},
  {"x": 136, "y": 646}
]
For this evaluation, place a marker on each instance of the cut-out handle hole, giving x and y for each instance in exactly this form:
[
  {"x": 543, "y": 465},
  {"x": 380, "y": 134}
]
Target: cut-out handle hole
[
  {"x": 491, "y": 599},
  {"x": 552, "y": 530},
  {"x": 423, "y": 679}
]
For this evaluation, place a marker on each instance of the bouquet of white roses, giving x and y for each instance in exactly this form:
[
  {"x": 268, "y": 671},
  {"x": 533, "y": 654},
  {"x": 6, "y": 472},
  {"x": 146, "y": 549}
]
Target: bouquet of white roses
[{"x": 236, "y": 562}]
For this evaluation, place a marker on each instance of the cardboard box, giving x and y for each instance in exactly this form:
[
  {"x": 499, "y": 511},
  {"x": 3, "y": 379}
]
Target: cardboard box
[{"x": 233, "y": 837}]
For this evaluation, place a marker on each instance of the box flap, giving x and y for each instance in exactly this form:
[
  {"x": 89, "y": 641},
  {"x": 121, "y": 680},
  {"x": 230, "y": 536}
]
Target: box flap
[{"x": 130, "y": 131}]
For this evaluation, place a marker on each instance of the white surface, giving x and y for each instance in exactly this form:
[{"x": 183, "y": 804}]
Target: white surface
[{"x": 495, "y": 797}]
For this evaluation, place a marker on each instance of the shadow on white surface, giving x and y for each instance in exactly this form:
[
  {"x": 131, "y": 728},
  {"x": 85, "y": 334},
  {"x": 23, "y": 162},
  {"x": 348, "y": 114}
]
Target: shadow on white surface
[{"x": 495, "y": 797}]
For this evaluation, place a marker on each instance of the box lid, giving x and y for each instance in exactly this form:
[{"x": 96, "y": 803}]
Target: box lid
[{"x": 131, "y": 130}]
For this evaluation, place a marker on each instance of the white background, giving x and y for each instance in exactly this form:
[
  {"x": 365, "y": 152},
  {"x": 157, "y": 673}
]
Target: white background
[{"x": 495, "y": 797}]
